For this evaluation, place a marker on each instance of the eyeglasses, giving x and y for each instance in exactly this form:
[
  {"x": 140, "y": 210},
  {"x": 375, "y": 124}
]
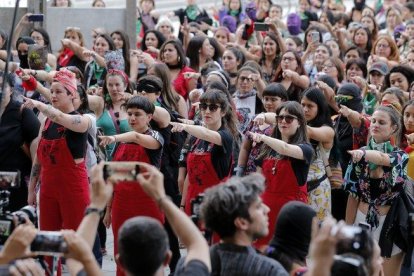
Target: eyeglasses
[
  {"x": 288, "y": 118},
  {"x": 328, "y": 66},
  {"x": 211, "y": 107},
  {"x": 37, "y": 38},
  {"x": 288, "y": 59},
  {"x": 385, "y": 46},
  {"x": 242, "y": 79}
]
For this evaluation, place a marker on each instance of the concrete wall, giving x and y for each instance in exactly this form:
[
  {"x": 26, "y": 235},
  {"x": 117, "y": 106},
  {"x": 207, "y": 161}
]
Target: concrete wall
[{"x": 58, "y": 19}]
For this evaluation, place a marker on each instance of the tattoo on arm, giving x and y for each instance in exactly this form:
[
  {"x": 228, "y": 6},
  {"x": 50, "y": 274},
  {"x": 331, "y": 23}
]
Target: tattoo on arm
[
  {"x": 51, "y": 112},
  {"x": 35, "y": 171},
  {"x": 76, "y": 120}
]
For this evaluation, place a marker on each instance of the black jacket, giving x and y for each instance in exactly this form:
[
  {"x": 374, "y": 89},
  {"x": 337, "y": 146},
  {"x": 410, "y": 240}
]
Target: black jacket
[{"x": 397, "y": 226}]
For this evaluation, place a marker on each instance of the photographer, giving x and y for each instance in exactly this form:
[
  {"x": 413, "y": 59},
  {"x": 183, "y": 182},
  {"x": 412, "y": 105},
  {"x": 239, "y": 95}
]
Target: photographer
[
  {"x": 142, "y": 238},
  {"x": 235, "y": 211},
  {"x": 327, "y": 246},
  {"x": 18, "y": 131},
  {"x": 79, "y": 257}
]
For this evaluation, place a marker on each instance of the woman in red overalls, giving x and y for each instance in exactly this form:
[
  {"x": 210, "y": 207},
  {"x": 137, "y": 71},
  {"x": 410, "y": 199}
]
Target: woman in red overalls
[
  {"x": 209, "y": 160},
  {"x": 285, "y": 163},
  {"x": 144, "y": 145},
  {"x": 60, "y": 160}
]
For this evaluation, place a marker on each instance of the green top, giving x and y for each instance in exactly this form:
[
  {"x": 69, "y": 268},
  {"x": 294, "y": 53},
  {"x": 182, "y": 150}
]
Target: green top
[
  {"x": 107, "y": 124},
  {"x": 369, "y": 103}
]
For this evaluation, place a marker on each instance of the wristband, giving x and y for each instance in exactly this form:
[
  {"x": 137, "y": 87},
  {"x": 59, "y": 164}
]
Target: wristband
[
  {"x": 364, "y": 153},
  {"x": 89, "y": 210},
  {"x": 30, "y": 84}
]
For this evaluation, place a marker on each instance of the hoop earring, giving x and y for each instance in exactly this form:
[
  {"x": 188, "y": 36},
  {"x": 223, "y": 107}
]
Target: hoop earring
[{"x": 179, "y": 59}]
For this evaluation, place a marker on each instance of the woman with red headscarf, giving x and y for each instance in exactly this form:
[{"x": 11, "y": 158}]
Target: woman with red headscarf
[{"x": 60, "y": 161}]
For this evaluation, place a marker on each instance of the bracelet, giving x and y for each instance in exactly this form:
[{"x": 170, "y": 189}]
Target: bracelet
[
  {"x": 364, "y": 153},
  {"x": 114, "y": 138},
  {"x": 94, "y": 210}
]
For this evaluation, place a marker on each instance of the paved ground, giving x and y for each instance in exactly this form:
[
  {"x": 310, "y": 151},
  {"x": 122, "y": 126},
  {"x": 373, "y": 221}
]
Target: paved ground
[{"x": 108, "y": 265}]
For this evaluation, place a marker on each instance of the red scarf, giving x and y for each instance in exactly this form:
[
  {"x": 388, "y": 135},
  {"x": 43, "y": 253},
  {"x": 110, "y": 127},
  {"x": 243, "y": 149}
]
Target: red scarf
[{"x": 65, "y": 57}]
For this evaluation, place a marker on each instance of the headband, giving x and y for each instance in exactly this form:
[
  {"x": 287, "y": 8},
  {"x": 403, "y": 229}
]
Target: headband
[
  {"x": 121, "y": 73},
  {"x": 67, "y": 79},
  {"x": 221, "y": 75}
]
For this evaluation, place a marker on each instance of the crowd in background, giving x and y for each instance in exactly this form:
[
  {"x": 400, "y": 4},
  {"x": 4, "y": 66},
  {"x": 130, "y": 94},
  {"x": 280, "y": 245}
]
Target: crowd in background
[{"x": 318, "y": 101}]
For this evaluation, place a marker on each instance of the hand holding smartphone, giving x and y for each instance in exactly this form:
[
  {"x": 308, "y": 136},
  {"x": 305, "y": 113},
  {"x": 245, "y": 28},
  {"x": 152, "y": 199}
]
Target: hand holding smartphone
[
  {"x": 121, "y": 171},
  {"x": 36, "y": 18},
  {"x": 261, "y": 27}
]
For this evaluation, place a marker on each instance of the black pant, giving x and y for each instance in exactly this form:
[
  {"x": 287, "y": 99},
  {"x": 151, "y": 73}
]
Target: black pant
[{"x": 174, "y": 246}]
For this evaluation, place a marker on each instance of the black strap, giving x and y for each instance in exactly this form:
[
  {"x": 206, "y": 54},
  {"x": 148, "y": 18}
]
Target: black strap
[{"x": 111, "y": 112}]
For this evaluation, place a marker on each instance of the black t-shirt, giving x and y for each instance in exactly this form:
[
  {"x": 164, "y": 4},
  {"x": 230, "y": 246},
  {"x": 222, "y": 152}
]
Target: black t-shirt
[
  {"x": 16, "y": 128},
  {"x": 76, "y": 141},
  {"x": 220, "y": 155},
  {"x": 300, "y": 167},
  {"x": 155, "y": 155}
]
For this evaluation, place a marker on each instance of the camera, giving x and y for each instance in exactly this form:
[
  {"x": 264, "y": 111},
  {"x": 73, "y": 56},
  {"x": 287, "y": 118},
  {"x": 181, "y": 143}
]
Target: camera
[
  {"x": 9, "y": 180},
  {"x": 49, "y": 243},
  {"x": 353, "y": 239},
  {"x": 121, "y": 171},
  {"x": 195, "y": 208},
  {"x": 9, "y": 221}
]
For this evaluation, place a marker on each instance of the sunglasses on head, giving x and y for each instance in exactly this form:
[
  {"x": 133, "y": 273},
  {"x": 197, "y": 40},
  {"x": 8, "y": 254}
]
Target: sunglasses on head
[
  {"x": 288, "y": 118},
  {"x": 211, "y": 107},
  {"x": 343, "y": 98}
]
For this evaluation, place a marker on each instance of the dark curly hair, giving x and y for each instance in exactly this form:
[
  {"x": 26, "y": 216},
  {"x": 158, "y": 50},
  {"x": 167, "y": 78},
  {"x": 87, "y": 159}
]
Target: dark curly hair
[{"x": 224, "y": 203}]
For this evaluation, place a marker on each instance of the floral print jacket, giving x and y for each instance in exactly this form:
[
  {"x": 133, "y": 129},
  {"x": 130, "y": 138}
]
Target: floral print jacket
[{"x": 377, "y": 192}]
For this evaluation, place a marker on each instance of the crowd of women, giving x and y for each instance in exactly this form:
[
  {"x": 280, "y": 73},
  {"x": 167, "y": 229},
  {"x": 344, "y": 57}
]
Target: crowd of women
[{"x": 321, "y": 104}]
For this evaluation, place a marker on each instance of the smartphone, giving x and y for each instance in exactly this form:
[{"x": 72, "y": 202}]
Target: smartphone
[
  {"x": 121, "y": 171},
  {"x": 36, "y": 18},
  {"x": 261, "y": 27},
  {"x": 315, "y": 36},
  {"x": 9, "y": 179},
  {"x": 49, "y": 243}
]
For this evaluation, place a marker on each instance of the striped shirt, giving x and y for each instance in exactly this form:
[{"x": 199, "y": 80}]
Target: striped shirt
[{"x": 231, "y": 259}]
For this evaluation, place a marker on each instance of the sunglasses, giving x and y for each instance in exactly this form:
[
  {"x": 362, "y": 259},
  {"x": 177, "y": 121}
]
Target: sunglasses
[
  {"x": 288, "y": 118},
  {"x": 343, "y": 98},
  {"x": 242, "y": 79},
  {"x": 211, "y": 107}
]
